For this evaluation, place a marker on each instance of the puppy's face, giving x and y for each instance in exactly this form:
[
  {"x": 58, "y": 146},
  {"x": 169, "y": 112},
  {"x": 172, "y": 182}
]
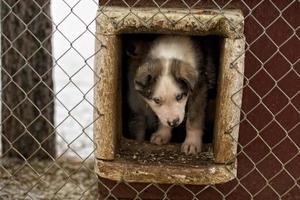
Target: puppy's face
[
  {"x": 165, "y": 86},
  {"x": 168, "y": 101}
]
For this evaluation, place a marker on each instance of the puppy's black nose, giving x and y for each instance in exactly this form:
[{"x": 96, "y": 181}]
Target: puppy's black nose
[{"x": 173, "y": 123}]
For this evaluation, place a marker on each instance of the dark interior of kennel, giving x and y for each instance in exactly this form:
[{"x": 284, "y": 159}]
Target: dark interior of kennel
[{"x": 210, "y": 45}]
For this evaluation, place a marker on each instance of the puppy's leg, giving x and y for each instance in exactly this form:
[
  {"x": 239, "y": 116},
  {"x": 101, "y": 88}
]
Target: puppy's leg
[
  {"x": 137, "y": 127},
  {"x": 194, "y": 124},
  {"x": 162, "y": 135},
  {"x": 193, "y": 141}
]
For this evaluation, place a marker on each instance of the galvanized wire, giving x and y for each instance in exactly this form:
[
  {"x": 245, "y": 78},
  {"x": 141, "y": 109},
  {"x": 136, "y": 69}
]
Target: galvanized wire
[{"x": 70, "y": 175}]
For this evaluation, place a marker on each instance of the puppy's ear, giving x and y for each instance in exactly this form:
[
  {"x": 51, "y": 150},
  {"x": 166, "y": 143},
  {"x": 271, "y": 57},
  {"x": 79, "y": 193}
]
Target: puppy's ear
[
  {"x": 184, "y": 73},
  {"x": 143, "y": 77},
  {"x": 146, "y": 76}
]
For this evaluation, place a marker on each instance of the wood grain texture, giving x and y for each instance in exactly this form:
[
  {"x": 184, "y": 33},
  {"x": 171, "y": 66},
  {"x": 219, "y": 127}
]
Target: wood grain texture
[
  {"x": 111, "y": 22},
  {"x": 27, "y": 85}
]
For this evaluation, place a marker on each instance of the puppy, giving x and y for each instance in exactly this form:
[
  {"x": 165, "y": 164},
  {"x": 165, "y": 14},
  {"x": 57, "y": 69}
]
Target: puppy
[{"x": 166, "y": 82}]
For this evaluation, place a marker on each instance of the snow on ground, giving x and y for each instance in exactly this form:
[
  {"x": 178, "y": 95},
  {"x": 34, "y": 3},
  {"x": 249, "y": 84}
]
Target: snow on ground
[{"x": 73, "y": 49}]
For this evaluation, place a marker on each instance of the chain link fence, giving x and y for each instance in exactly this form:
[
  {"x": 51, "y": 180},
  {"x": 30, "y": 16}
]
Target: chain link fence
[{"x": 47, "y": 82}]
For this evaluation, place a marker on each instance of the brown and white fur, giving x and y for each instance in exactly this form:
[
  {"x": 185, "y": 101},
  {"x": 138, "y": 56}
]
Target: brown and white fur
[{"x": 165, "y": 82}]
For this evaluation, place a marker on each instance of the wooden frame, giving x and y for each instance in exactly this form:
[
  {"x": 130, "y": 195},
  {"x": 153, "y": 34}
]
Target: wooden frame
[{"x": 214, "y": 166}]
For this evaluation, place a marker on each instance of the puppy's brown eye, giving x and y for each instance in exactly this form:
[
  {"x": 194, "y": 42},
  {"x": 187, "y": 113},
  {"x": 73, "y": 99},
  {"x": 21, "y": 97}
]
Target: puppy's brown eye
[
  {"x": 156, "y": 100},
  {"x": 180, "y": 96}
]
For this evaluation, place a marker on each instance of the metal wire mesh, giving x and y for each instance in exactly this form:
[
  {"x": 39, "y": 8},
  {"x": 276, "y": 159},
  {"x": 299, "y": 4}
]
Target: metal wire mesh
[{"x": 269, "y": 140}]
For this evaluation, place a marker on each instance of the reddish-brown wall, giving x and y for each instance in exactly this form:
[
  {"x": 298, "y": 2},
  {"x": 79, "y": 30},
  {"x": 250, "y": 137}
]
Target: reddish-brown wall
[{"x": 269, "y": 138}]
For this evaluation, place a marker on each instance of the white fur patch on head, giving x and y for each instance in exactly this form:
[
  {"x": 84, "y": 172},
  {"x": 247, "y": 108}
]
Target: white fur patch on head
[{"x": 175, "y": 47}]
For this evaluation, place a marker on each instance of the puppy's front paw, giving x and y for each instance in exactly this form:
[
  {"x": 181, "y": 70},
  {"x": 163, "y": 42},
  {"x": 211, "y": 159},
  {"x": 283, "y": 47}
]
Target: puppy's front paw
[
  {"x": 191, "y": 147},
  {"x": 160, "y": 138}
]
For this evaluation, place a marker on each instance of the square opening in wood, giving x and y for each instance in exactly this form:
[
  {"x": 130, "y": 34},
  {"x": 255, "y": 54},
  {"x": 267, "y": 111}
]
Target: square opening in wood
[{"x": 118, "y": 157}]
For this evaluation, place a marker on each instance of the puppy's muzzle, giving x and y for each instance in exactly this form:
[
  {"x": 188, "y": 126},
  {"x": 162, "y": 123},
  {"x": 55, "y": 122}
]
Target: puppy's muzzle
[{"x": 173, "y": 123}]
